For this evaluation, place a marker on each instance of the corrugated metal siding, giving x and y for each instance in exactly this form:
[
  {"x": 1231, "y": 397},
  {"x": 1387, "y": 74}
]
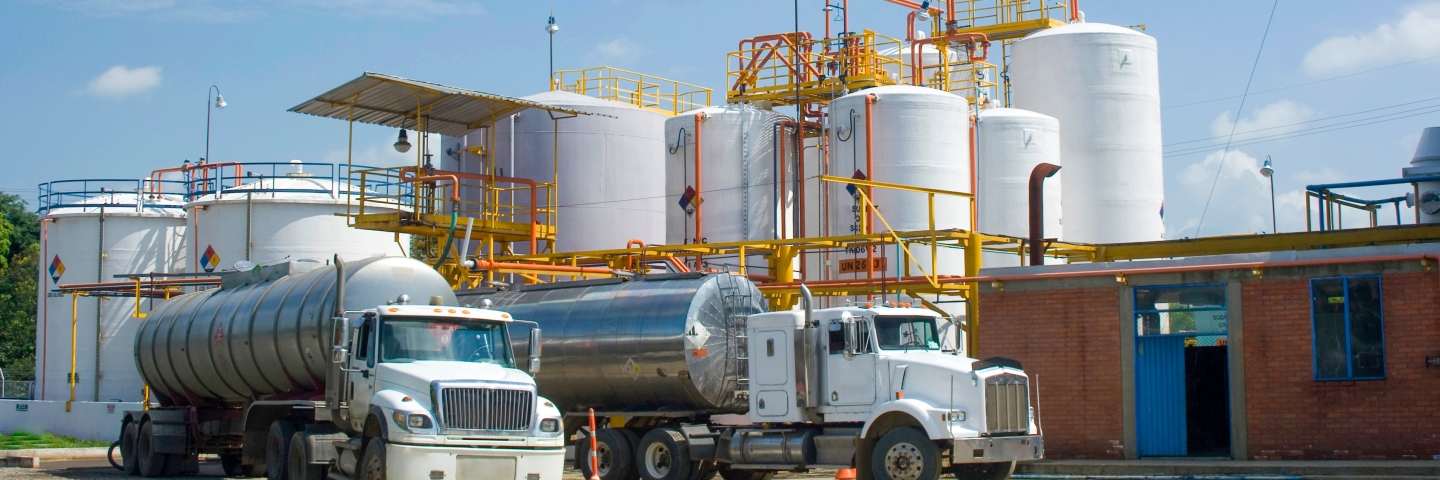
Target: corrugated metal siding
[{"x": 1160, "y": 396}]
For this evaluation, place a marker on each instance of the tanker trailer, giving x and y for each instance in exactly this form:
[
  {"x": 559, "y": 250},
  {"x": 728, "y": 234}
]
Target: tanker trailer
[
  {"x": 692, "y": 378},
  {"x": 301, "y": 371}
]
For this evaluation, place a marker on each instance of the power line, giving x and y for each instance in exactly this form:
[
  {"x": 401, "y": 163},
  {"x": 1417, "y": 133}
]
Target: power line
[
  {"x": 1238, "y": 112},
  {"x": 1373, "y": 70},
  {"x": 1197, "y": 151},
  {"x": 1313, "y": 121}
]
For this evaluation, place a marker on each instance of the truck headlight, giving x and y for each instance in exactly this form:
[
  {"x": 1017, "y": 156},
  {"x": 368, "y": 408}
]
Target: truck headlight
[
  {"x": 550, "y": 425},
  {"x": 413, "y": 420}
]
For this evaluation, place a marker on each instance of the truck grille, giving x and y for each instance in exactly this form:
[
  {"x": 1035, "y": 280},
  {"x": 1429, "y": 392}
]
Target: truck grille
[
  {"x": 486, "y": 409},
  {"x": 1007, "y": 404}
]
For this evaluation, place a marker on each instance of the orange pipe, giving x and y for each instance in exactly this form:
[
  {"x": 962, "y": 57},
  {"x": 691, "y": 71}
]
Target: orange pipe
[
  {"x": 157, "y": 175},
  {"x": 455, "y": 193},
  {"x": 699, "y": 197},
  {"x": 974, "y": 173},
  {"x": 870, "y": 172},
  {"x": 130, "y": 285},
  {"x": 1074, "y": 10},
  {"x": 45, "y": 348},
  {"x": 493, "y": 265},
  {"x": 800, "y": 196},
  {"x": 780, "y": 144}
]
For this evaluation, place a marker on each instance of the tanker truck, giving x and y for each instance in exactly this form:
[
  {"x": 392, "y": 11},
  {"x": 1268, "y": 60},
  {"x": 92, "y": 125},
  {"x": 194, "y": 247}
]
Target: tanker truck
[
  {"x": 690, "y": 377},
  {"x": 301, "y": 371}
]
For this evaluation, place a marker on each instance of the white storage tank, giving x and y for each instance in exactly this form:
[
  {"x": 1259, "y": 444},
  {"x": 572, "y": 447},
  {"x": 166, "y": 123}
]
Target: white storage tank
[
  {"x": 739, "y": 179},
  {"x": 1102, "y": 83},
  {"x": 1010, "y": 143},
  {"x": 89, "y": 237},
  {"x": 1426, "y": 162},
  {"x": 921, "y": 138},
  {"x": 611, "y": 168},
  {"x": 289, "y": 215}
]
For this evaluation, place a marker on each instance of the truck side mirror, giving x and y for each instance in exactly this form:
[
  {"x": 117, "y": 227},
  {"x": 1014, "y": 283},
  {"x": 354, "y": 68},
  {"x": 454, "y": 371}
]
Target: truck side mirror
[
  {"x": 534, "y": 367},
  {"x": 852, "y": 335},
  {"x": 340, "y": 352}
]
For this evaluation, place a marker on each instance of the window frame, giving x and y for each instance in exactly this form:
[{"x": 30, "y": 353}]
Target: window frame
[
  {"x": 1136, "y": 311},
  {"x": 1349, "y": 351}
]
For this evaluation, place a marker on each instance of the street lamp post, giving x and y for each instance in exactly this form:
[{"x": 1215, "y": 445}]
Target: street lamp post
[
  {"x": 219, "y": 103},
  {"x": 551, "y": 28},
  {"x": 1269, "y": 172}
]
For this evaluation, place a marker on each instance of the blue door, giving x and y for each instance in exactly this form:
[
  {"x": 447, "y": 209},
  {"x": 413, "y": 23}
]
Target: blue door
[{"x": 1160, "y": 395}]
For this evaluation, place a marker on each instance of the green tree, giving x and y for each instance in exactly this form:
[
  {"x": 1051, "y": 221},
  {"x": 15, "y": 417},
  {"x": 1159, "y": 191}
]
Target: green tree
[{"x": 19, "y": 267}]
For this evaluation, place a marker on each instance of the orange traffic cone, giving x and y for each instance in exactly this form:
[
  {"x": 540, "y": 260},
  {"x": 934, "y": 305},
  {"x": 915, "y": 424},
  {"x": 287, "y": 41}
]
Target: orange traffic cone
[
  {"x": 595, "y": 460},
  {"x": 845, "y": 474}
]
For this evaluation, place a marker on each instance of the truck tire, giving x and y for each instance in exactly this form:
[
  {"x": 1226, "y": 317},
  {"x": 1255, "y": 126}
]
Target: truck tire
[
  {"x": 982, "y": 471},
  {"x": 372, "y": 463},
  {"x": 299, "y": 464},
  {"x": 905, "y": 453},
  {"x": 277, "y": 449},
  {"x": 615, "y": 451},
  {"x": 148, "y": 462},
  {"x": 660, "y": 456},
  {"x": 128, "y": 436}
]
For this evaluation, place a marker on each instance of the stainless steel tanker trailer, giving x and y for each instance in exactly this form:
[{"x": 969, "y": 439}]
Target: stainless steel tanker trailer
[
  {"x": 692, "y": 378},
  {"x": 305, "y": 372}
]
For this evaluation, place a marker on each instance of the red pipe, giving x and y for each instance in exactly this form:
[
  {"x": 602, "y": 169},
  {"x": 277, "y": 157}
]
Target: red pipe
[
  {"x": 870, "y": 172},
  {"x": 45, "y": 349},
  {"x": 1037, "y": 210},
  {"x": 780, "y": 144},
  {"x": 975, "y": 172},
  {"x": 455, "y": 192},
  {"x": 1074, "y": 10}
]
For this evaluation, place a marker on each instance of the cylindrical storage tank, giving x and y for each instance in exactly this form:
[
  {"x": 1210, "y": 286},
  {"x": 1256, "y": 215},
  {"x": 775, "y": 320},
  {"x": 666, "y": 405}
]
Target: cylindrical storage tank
[
  {"x": 91, "y": 240},
  {"x": 658, "y": 342},
  {"x": 611, "y": 167},
  {"x": 918, "y": 137},
  {"x": 266, "y": 333},
  {"x": 1010, "y": 143},
  {"x": 1426, "y": 162},
  {"x": 292, "y": 217},
  {"x": 1103, "y": 83},
  {"x": 738, "y": 179}
]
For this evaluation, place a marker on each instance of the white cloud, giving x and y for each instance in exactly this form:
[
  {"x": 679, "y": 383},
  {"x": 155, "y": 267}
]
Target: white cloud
[
  {"x": 1416, "y": 35},
  {"x": 617, "y": 50},
  {"x": 1275, "y": 118},
  {"x": 120, "y": 82}
]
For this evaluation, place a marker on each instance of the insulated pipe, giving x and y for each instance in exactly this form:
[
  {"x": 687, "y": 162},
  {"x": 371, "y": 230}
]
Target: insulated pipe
[
  {"x": 699, "y": 195},
  {"x": 1037, "y": 210}
]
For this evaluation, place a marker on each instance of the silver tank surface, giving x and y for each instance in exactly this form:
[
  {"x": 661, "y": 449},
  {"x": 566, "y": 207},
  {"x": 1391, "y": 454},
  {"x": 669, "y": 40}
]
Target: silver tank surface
[
  {"x": 658, "y": 342},
  {"x": 265, "y": 332}
]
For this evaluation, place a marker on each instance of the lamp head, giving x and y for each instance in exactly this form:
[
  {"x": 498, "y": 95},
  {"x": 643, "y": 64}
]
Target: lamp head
[
  {"x": 829, "y": 8},
  {"x": 551, "y": 27},
  {"x": 1267, "y": 170},
  {"x": 402, "y": 144},
  {"x": 923, "y": 13},
  {"x": 220, "y": 101}
]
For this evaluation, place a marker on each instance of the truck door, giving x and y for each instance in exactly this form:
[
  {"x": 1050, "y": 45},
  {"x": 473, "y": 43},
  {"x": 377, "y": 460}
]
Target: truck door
[
  {"x": 849, "y": 381},
  {"x": 359, "y": 384}
]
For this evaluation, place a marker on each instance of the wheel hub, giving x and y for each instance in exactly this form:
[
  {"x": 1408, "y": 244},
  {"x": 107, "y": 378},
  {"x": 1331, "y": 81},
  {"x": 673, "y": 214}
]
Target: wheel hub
[
  {"x": 904, "y": 462},
  {"x": 605, "y": 458},
  {"x": 657, "y": 460}
]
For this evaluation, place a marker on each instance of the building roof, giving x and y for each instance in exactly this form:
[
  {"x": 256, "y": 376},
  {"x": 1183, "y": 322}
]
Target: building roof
[{"x": 391, "y": 101}]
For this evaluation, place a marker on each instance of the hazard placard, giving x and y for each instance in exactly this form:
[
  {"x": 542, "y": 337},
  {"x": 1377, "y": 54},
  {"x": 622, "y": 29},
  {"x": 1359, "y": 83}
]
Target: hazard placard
[{"x": 857, "y": 265}]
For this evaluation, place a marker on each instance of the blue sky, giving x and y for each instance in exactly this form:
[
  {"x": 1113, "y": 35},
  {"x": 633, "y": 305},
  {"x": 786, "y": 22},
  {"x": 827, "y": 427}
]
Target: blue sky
[{"x": 113, "y": 88}]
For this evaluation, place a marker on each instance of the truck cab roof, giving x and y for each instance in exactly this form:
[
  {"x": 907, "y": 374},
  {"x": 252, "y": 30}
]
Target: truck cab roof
[{"x": 469, "y": 313}]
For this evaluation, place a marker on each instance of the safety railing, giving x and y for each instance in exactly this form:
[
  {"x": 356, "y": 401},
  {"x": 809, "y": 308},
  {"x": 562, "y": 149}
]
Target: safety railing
[
  {"x": 109, "y": 193},
  {"x": 649, "y": 92},
  {"x": 503, "y": 208},
  {"x": 793, "y": 67},
  {"x": 975, "y": 14},
  {"x": 204, "y": 179},
  {"x": 1332, "y": 205}
]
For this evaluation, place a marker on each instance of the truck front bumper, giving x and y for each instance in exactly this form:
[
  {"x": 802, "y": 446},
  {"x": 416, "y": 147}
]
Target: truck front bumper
[
  {"x": 998, "y": 449},
  {"x": 457, "y": 463}
]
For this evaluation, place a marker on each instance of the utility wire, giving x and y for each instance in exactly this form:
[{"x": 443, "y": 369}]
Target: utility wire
[
  {"x": 1323, "y": 80},
  {"x": 1316, "y": 120},
  {"x": 1238, "y": 112},
  {"x": 1244, "y": 143}
]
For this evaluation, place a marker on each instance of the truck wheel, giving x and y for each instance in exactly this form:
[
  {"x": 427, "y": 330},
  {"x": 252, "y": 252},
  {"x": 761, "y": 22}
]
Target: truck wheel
[
  {"x": 728, "y": 474},
  {"x": 127, "y": 449},
  {"x": 147, "y": 462},
  {"x": 905, "y": 454},
  {"x": 299, "y": 461},
  {"x": 982, "y": 471},
  {"x": 372, "y": 464},
  {"x": 613, "y": 451},
  {"x": 277, "y": 448},
  {"x": 660, "y": 456},
  {"x": 231, "y": 464}
]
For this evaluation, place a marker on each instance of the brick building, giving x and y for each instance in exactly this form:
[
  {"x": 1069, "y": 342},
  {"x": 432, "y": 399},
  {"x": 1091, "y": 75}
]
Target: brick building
[{"x": 1314, "y": 354}]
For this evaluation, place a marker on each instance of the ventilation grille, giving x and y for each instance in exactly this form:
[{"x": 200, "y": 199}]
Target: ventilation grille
[
  {"x": 486, "y": 409},
  {"x": 1007, "y": 404}
]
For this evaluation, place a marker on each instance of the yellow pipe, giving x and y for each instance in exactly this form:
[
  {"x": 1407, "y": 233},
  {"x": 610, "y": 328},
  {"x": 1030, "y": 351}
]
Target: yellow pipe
[
  {"x": 145, "y": 403},
  {"x": 138, "y": 313},
  {"x": 972, "y": 296},
  {"x": 74, "y": 328}
]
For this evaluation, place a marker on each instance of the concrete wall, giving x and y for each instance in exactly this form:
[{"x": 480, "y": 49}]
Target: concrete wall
[{"x": 85, "y": 420}]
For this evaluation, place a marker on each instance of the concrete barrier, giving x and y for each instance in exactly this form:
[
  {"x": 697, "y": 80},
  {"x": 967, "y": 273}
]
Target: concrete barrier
[{"x": 85, "y": 420}]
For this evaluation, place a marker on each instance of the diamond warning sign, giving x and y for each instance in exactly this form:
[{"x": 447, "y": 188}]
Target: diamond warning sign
[
  {"x": 210, "y": 259},
  {"x": 57, "y": 268}
]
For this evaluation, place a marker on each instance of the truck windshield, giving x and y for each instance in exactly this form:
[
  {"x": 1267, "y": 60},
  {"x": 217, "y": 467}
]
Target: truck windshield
[
  {"x": 404, "y": 340},
  {"x": 906, "y": 333}
]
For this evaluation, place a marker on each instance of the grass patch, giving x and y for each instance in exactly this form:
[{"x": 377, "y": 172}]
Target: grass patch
[{"x": 22, "y": 441}]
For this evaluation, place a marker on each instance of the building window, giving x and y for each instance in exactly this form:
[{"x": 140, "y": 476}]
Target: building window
[
  {"x": 1196, "y": 312},
  {"x": 1348, "y": 328}
]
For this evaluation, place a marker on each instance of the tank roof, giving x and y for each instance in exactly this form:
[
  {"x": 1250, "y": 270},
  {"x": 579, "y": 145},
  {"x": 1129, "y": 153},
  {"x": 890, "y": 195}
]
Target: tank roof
[
  {"x": 1085, "y": 27},
  {"x": 303, "y": 189},
  {"x": 1012, "y": 112},
  {"x": 122, "y": 204},
  {"x": 560, "y": 97}
]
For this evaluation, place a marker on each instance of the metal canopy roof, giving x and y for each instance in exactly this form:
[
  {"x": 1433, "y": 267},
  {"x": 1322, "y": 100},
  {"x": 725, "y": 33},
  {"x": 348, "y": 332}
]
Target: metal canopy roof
[{"x": 392, "y": 101}]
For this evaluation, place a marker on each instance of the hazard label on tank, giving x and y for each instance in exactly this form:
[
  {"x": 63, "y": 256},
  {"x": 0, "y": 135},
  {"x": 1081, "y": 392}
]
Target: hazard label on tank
[
  {"x": 57, "y": 268},
  {"x": 210, "y": 259}
]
